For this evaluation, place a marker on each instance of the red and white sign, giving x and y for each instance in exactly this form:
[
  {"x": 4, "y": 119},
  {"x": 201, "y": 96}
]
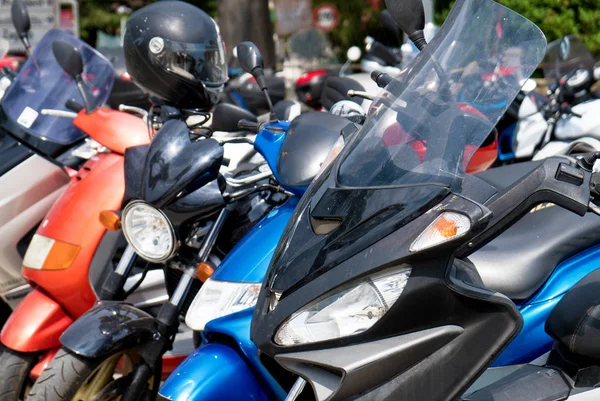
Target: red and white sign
[{"x": 326, "y": 17}]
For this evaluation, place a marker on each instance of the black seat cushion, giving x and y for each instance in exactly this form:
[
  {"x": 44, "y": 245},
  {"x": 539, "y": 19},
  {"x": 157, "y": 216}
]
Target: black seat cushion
[
  {"x": 520, "y": 260},
  {"x": 575, "y": 320}
]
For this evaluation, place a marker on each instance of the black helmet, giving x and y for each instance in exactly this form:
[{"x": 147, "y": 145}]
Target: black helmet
[{"x": 174, "y": 51}]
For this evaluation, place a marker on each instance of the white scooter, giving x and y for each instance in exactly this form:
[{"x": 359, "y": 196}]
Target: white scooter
[{"x": 569, "y": 119}]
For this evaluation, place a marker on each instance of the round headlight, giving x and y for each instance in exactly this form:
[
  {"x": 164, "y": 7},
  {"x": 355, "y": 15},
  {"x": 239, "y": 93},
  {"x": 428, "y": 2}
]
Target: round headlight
[{"x": 148, "y": 231}]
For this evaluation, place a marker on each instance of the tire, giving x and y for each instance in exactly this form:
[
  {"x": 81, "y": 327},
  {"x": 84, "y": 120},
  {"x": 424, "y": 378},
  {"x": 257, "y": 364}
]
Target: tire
[
  {"x": 64, "y": 376},
  {"x": 14, "y": 371}
]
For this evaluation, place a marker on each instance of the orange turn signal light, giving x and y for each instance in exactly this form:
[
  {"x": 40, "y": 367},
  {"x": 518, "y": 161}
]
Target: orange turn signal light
[
  {"x": 111, "y": 220},
  {"x": 204, "y": 271},
  {"x": 446, "y": 227},
  {"x": 49, "y": 254}
]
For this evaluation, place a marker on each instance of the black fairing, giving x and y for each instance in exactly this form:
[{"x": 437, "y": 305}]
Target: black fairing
[
  {"x": 226, "y": 117},
  {"x": 307, "y": 142},
  {"x": 175, "y": 165}
]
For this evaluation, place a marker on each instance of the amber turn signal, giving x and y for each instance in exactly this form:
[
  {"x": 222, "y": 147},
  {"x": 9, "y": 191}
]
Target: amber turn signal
[
  {"x": 110, "y": 219},
  {"x": 204, "y": 271}
]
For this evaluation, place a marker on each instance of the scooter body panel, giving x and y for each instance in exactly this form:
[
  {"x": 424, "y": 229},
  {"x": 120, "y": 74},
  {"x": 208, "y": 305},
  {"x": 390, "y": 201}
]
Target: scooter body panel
[
  {"x": 113, "y": 129},
  {"x": 251, "y": 257},
  {"x": 528, "y": 133},
  {"x": 85, "y": 197},
  {"x": 206, "y": 375},
  {"x": 533, "y": 341},
  {"x": 27, "y": 192},
  {"x": 571, "y": 127},
  {"x": 36, "y": 324}
]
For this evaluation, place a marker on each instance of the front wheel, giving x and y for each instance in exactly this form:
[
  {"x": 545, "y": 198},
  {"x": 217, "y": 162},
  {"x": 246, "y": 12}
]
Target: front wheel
[
  {"x": 73, "y": 377},
  {"x": 14, "y": 374}
]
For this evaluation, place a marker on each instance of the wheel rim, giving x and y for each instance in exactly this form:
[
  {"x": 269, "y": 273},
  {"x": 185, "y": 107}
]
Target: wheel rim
[{"x": 96, "y": 386}]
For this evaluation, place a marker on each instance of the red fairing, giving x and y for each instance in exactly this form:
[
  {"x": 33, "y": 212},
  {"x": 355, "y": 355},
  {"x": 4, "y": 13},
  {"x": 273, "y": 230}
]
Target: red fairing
[{"x": 36, "y": 324}]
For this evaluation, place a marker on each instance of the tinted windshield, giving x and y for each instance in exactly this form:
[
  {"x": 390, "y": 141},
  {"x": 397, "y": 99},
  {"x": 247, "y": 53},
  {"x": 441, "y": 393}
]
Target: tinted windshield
[
  {"x": 565, "y": 55},
  {"x": 426, "y": 125},
  {"x": 42, "y": 84}
]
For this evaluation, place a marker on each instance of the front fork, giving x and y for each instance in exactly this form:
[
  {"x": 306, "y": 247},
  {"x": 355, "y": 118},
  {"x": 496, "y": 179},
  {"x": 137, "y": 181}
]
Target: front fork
[
  {"x": 168, "y": 317},
  {"x": 112, "y": 289}
]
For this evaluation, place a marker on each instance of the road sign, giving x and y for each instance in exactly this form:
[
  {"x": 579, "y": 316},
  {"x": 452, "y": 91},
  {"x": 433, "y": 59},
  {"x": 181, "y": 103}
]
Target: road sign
[{"x": 326, "y": 17}]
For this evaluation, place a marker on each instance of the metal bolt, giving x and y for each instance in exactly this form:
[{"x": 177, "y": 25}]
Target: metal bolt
[{"x": 156, "y": 336}]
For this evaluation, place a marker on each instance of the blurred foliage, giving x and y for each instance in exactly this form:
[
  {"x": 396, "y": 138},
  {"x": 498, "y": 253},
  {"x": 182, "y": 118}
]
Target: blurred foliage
[
  {"x": 557, "y": 18},
  {"x": 101, "y": 15},
  {"x": 358, "y": 18}
]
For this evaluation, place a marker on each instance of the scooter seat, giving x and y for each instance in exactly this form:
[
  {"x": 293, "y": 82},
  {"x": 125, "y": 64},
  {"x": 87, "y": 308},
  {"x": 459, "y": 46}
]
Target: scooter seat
[
  {"x": 574, "y": 321},
  {"x": 519, "y": 261}
]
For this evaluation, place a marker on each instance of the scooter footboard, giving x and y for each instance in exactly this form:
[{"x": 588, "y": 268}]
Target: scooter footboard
[
  {"x": 108, "y": 328},
  {"x": 213, "y": 372}
]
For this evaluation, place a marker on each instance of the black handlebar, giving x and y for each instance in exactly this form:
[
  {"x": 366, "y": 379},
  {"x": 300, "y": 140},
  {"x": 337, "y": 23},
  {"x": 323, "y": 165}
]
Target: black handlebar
[
  {"x": 381, "y": 78},
  {"x": 74, "y": 105},
  {"x": 248, "y": 125}
]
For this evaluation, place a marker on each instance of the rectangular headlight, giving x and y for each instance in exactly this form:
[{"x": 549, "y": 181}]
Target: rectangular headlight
[{"x": 346, "y": 311}]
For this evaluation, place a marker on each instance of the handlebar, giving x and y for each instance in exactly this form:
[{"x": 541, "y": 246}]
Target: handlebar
[
  {"x": 249, "y": 126},
  {"x": 59, "y": 113},
  {"x": 74, "y": 105}
]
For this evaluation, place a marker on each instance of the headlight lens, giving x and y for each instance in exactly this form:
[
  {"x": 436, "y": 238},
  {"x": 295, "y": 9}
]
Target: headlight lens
[
  {"x": 148, "y": 231},
  {"x": 220, "y": 298},
  {"x": 345, "y": 312}
]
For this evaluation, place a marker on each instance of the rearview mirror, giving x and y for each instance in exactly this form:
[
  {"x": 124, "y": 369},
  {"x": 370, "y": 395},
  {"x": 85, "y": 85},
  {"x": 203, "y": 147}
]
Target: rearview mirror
[
  {"x": 390, "y": 25},
  {"x": 21, "y": 22},
  {"x": 409, "y": 15},
  {"x": 68, "y": 57},
  {"x": 354, "y": 53},
  {"x": 249, "y": 57},
  {"x": 70, "y": 60}
]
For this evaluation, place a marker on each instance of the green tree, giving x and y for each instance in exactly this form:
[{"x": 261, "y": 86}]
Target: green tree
[{"x": 557, "y": 18}]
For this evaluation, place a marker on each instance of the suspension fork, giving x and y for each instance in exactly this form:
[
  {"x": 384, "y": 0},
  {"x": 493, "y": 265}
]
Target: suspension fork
[
  {"x": 112, "y": 288},
  {"x": 168, "y": 317}
]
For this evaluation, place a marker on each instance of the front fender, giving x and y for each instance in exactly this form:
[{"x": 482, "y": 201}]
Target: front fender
[
  {"x": 212, "y": 372},
  {"x": 36, "y": 324},
  {"x": 108, "y": 328}
]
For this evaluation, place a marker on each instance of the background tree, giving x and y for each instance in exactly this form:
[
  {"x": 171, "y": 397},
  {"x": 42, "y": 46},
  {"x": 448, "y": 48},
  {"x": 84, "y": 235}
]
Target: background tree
[{"x": 557, "y": 18}]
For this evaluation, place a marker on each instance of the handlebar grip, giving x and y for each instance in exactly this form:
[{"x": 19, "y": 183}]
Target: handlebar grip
[
  {"x": 381, "y": 78},
  {"x": 249, "y": 125},
  {"x": 225, "y": 162},
  {"x": 73, "y": 105}
]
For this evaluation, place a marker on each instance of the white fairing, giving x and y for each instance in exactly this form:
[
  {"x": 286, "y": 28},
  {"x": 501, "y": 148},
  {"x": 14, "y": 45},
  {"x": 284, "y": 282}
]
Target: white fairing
[
  {"x": 557, "y": 148},
  {"x": 26, "y": 194},
  {"x": 571, "y": 127},
  {"x": 529, "y": 132},
  {"x": 591, "y": 395}
]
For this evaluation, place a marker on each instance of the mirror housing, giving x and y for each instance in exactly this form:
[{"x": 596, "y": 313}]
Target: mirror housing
[
  {"x": 390, "y": 25},
  {"x": 250, "y": 59},
  {"x": 251, "y": 62},
  {"x": 70, "y": 60},
  {"x": 409, "y": 15},
  {"x": 354, "y": 53},
  {"x": 21, "y": 22}
]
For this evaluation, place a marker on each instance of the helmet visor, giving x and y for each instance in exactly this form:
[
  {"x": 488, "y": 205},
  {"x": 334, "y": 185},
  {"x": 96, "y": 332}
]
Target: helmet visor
[{"x": 204, "y": 62}]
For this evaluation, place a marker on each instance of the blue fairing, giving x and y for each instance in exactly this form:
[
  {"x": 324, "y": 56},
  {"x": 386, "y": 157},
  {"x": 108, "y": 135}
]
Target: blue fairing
[
  {"x": 268, "y": 143},
  {"x": 533, "y": 341},
  {"x": 207, "y": 374},
  {"x": 249, "y": 260},
  {"x": 505, "y": 143}
]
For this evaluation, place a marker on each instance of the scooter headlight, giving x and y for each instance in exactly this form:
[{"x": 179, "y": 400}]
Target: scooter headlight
[
  {"x": 220, "y": 298},
  {"x": 345, "y": 312},
  {"x": 148, "y": 231}
]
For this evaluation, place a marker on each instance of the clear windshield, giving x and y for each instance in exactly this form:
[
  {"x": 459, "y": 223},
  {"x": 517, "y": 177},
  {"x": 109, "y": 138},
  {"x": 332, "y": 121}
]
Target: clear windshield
[
  {"x": 429, "y": 121},
  {"x": 42, "y": 84},
  {"x": 565, "y": 55}
]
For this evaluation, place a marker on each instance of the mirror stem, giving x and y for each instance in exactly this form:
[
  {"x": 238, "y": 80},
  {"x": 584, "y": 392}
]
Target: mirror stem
[
  {"x": 27, "y": 44},
  {"x": 85, "y": 94},
  {"x": 259, "y": 75},
  {"x": 418, "y": 38}
]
